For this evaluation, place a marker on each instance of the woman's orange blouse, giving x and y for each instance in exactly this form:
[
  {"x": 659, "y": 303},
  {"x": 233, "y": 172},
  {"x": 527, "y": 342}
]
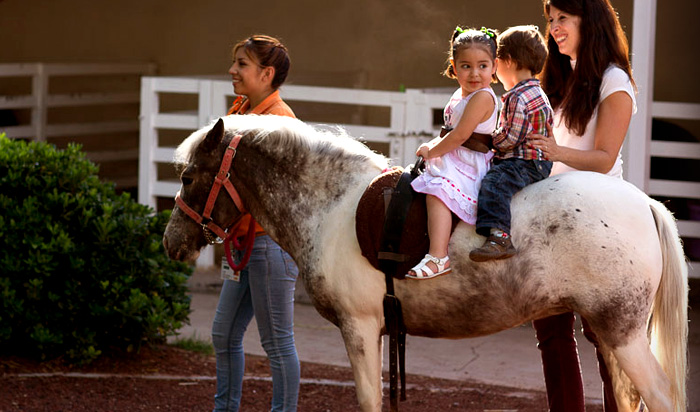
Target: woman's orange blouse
[{"x": 273, "y": 104}]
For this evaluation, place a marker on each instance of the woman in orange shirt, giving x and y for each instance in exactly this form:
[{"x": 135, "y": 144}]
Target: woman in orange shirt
[{"x": 265, "y": 287}]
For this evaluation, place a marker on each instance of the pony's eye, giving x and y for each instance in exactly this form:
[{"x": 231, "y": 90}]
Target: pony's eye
[{"x": 186, "y": 180}]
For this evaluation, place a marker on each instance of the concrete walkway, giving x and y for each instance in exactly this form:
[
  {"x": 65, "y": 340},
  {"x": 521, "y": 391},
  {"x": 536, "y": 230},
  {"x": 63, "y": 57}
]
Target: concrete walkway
[{"x": 509, "y": 358}]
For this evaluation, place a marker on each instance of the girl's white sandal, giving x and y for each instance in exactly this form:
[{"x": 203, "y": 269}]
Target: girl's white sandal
[{"x": 422, "y": 271}]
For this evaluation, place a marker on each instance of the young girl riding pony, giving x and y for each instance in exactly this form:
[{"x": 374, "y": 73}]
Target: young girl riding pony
[{"x": 453, "y": 172}]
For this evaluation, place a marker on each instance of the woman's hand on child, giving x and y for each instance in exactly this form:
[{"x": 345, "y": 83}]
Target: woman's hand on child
[{"x": 547, "y": 144}]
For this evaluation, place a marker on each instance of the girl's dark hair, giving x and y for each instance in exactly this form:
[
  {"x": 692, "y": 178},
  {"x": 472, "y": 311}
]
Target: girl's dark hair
[
  {"x": 464, "y": 38},
  {"x": 603, "y": 42},
  {"x": 268, "y": 52}
]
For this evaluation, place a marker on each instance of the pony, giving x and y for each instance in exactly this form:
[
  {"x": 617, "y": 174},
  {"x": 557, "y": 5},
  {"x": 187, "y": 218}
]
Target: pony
[{"x": 587, "y": 243}]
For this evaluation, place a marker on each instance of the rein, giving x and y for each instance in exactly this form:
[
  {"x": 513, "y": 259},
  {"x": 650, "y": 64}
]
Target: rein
[{"x": 223, "y": 178}]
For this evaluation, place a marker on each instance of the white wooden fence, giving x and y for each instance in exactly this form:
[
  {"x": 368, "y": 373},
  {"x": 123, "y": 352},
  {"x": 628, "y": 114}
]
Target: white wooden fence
[
  {"x": 410, "y": 120},
  {"x": 26, "y": 87},
  {"x": 410, "y": 123},
  {"x": 39, "y": 100},
  {"x": 689, "y": 229}
]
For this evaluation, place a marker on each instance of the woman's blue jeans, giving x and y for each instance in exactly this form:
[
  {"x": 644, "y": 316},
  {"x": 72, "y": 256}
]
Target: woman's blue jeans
[{"x": 265, "y": 289}]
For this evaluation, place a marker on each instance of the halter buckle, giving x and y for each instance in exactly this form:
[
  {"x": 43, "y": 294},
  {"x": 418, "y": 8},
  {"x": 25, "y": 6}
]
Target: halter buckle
[
  {"x": 211, "y": 237},
  {"x": 234, "y": 151}
]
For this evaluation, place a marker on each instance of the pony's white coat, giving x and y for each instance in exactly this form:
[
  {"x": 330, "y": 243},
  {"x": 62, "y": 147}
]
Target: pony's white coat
[{"x": 587, "y": 242}]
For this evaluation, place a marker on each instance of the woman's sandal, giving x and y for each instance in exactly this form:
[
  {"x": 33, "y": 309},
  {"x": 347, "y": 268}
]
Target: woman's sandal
[{"x": 422, "y": 271}]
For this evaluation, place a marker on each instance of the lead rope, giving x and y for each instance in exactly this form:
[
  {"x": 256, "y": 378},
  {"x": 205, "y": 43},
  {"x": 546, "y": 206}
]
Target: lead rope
[{"x": 246, "y": 244}]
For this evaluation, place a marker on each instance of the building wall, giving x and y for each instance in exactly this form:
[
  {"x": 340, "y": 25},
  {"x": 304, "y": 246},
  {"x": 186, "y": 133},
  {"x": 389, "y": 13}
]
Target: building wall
[{"x": 369, "y": 43}]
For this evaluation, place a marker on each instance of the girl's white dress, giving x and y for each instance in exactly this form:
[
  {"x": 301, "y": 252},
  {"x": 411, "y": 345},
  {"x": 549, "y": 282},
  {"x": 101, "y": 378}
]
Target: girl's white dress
[{"x": 455, "y": 177}]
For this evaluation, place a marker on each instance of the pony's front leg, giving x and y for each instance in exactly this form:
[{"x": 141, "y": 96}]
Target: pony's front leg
[{"x": 363, "y": 343}]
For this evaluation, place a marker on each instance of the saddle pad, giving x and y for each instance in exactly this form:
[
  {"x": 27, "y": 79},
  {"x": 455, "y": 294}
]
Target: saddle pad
[{"x": 369, "y": 223}]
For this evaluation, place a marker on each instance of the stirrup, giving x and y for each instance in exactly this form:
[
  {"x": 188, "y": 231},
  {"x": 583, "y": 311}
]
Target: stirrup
[{"x": 422, "y": 271}]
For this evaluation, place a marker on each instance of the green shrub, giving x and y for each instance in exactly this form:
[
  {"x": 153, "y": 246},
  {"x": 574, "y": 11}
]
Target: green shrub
[{"x": 82, "y": 269}]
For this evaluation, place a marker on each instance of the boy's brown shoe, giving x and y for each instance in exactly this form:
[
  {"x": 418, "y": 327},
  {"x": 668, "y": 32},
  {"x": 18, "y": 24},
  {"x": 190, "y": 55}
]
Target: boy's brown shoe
[{"x": 493, "y": 248}]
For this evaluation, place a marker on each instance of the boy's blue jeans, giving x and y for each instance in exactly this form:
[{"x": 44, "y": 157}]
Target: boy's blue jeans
[
  {"x": 266, "y": 290},
  {"x": 505, "y": 178}
]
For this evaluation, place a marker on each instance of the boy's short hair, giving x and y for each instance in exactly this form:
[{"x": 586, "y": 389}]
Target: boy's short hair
[{"x": 523, "y": 45}]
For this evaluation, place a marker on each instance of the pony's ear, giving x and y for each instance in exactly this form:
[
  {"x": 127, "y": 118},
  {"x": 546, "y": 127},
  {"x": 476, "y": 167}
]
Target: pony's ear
[{"x": 214, "y": 137}]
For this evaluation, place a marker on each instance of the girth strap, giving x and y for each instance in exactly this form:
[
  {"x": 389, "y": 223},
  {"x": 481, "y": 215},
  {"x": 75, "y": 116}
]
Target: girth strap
[{"x": 389, "y": 256}]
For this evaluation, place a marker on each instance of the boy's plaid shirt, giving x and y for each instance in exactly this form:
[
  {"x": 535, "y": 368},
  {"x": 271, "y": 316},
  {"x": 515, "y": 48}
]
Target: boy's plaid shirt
[{"x": 526, "y": 109}]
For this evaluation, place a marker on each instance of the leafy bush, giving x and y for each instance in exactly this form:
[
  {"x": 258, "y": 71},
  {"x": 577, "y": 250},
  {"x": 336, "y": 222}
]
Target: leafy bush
[{"x": 82, "y": 269}]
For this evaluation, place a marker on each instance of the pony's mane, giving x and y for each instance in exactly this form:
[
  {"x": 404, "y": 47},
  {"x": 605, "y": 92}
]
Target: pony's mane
[{"x": 289, "y": 133}]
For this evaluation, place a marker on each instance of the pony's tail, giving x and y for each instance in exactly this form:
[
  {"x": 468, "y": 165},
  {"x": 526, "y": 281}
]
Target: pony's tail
[{"x": 669, "y": 320}]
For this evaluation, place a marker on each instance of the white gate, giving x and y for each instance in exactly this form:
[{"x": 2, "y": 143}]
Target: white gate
[{"x": 410, "y": 123}]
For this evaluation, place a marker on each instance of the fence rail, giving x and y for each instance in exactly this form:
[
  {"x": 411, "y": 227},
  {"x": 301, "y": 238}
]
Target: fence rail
[
  {"x": 26, "y": 87},
  {"x": 688, "y": 229},
  {"x": 411, "y": 122},
  {"x": 39, "y": 99}
]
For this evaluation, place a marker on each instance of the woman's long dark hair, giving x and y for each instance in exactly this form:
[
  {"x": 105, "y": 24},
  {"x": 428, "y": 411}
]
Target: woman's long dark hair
[{"x": 602, "y": 42}]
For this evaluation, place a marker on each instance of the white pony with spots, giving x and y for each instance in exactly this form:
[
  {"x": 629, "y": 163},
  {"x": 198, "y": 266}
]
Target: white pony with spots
[{"x": 587, "y": 243}]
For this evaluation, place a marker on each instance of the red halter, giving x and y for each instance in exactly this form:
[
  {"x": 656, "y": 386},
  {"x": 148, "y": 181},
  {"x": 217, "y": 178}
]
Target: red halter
[{"x": 208, "y": 225}]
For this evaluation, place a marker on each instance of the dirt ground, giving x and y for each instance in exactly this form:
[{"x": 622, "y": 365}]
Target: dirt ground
[{"x": 165, "y": 378}]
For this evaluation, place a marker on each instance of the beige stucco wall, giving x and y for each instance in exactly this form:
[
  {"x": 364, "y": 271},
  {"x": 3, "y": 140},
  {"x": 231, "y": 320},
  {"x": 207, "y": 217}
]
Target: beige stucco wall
[
  {"x": 391, "y": 42},
  {"x": 377, "y": 44}
]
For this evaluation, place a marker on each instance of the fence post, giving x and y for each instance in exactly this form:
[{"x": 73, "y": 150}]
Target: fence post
[
  {"x": 219, "y": 91},
  {"x": 638, "y": 146},
  {"x": 206, "y": 255},
  {"x": 418, "y": 123},
  {"x": 205, "y": 102},
  {"x": 40, "y": 90},
  {"x": 148, "y": 142}
]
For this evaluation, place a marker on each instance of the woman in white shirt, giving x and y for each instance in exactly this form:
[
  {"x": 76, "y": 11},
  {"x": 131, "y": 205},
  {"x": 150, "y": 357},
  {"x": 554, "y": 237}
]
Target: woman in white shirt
[{"x": 588, "y": 80}]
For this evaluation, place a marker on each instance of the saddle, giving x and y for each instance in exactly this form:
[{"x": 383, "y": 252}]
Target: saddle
[{"x": 370, "y": 222}]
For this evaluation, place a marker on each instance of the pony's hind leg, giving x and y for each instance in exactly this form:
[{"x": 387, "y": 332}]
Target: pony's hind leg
[
  {"x": 363, "y": 343},
  {"x": 626, "y": 395},
  {"x": 645, "y": 372}
]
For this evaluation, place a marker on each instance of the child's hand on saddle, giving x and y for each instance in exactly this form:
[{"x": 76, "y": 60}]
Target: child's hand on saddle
[{"x": 423, "y": 150}]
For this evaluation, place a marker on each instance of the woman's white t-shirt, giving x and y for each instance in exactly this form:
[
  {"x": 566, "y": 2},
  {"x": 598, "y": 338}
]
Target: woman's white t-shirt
[{"x": 614, "y": 80}]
